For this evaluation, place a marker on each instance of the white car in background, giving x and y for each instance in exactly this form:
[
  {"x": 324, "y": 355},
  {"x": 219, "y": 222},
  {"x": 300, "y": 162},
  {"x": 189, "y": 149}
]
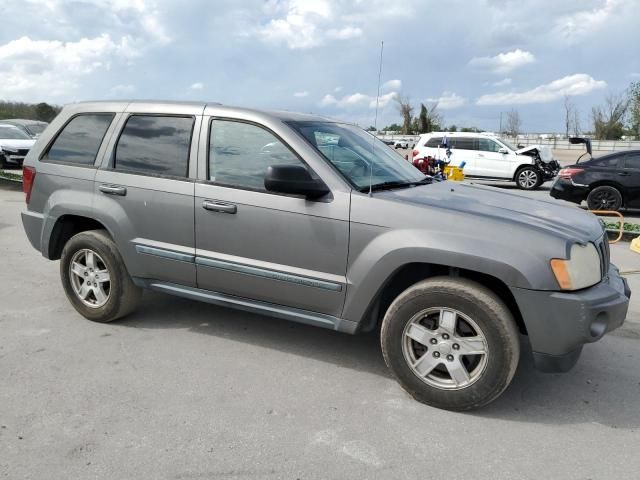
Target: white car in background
[
  {"x": 14, "y": 146},
  {"x": 404, "y": 143},
  {"x": 488, "y": 157}
]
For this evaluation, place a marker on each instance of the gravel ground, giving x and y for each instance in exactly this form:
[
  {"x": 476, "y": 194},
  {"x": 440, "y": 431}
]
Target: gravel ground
[{"x": 184, "y": 390}]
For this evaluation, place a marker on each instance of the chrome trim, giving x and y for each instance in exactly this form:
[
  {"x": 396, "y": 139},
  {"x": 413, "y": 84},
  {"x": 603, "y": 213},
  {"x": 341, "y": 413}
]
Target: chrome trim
[
  {"x": 268, "y": 273},
  {"x": 170, "y": 254},
  {"x": 287, "y": 313}
]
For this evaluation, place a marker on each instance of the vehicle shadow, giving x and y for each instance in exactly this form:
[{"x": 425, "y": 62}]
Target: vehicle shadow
[{"x": 603, "y": 388}]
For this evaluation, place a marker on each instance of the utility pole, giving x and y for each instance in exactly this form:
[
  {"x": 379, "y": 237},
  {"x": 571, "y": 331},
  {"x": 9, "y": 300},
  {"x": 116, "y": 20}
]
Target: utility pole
[{"x": 500, "y": 131}]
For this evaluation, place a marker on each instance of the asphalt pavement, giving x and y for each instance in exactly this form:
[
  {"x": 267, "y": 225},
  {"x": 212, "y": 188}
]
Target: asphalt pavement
[{"x": 186, "y": 390}]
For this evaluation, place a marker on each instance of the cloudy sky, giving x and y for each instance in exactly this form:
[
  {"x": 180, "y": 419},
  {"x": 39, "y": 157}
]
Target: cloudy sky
[{"x": 475, "y": 58}]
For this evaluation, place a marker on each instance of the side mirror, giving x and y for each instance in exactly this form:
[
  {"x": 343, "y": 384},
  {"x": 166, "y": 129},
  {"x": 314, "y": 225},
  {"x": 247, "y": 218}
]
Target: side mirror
[
  {"x": 503, "y": 150},
  {"x": 295, "y": 180}
]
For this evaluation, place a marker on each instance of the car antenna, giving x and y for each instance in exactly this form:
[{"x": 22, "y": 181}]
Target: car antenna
[{"x": 375, "y": 121}]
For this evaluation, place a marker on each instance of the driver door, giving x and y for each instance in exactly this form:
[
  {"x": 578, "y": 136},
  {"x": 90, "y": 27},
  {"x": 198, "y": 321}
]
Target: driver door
[{"x": 275, "y": 248}]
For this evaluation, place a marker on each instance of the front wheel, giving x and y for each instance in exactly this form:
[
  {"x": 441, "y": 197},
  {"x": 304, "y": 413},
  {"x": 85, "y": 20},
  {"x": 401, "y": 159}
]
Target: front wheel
[
  {"x": 528, "y": 178},
  {"x": 451, "y": 343},
  {"x": 95, "y": 278}
]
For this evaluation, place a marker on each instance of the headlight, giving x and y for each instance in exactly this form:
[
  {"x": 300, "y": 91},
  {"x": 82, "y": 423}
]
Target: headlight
[{"x": 581, "y": 270}]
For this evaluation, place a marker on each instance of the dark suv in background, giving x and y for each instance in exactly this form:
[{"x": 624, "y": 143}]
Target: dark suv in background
[{"x": 609, "y": 182}]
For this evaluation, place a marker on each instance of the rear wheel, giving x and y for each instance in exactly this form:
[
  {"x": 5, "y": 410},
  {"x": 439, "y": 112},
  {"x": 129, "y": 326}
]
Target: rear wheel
[
  {"x": 451, "y": 343},
  {"x": 604, "y": 198},
  {"x": 95, "y": 278},
  {"x": 528, "y": 178}
]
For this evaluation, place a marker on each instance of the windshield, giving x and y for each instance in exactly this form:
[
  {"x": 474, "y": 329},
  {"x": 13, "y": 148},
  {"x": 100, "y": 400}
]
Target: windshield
[
  {"x": 507, "y": 144},
  {"x": 36, "y": 128},
  {"x": 12, "y": 133},
  {"x": 359, "y": 156}
]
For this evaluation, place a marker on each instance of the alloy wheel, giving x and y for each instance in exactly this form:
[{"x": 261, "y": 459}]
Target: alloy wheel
[
  {"x": 527, "y": 179},
  {"x": 90, "y": 278},
  {"x": 445, "y": 348}
]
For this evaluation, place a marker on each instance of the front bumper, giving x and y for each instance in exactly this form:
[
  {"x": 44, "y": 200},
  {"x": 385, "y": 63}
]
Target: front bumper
[
  {"x": 560, "y": 323},
  {"x": 14, "y": 160}
]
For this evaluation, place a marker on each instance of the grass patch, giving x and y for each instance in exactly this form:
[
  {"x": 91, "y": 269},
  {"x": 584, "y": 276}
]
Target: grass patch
[
  {"x": 627, "y": 227},
  {"x": 13, "y": 177}
]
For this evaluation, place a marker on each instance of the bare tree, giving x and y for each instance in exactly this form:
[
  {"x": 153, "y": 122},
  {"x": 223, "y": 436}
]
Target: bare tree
[
  {"x": 576, "y": 123},
  {"x": 608, "y": 119},
  {"x": 406, "y": 111},
  {"x": 513, "y": 123},
  {"x": 569, "y": 109}
]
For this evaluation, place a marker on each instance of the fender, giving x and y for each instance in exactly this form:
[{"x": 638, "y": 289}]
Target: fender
[{"x": 381, "y": 256}]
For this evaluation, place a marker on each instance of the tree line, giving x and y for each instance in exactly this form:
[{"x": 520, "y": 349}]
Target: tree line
[
  {"x": 618, "y": 116},
  {"x": 29, "y": 111}
]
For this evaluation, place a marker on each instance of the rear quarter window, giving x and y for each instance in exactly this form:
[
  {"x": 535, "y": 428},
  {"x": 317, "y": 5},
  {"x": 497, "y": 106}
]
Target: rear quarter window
[
  {"x": 80, "y": 139},
  {"x": 433, "y": 142}
]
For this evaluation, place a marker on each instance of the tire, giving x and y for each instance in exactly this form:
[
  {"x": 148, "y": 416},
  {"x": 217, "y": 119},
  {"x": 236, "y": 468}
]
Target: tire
[
  {"x": 604, "y": 197},
  {"x": 528, "y": 178},
  {"x": 105, "y": 267},
  {"x": 3, "y": 162},
  {"x": 489, "y": 374}
]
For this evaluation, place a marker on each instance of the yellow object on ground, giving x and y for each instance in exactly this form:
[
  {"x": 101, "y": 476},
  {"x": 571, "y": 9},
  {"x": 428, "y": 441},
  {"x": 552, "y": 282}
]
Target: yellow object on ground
[
  {"x": 635, "y": 245},
  {"x": 454, "y": 173}
]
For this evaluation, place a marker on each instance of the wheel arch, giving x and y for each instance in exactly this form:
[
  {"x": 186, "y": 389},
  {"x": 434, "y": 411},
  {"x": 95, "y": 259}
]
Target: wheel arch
[
  {"x": 65, "y": 227},
  {"x": 411, "y": 273},
  {"x": 520, "y": 167}
]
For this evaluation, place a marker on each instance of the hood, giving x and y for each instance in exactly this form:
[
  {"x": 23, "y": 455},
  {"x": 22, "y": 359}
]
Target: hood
[
  {"x": 496, "y": 204},
  {"x": 544, "y": 151},
  {"x": 13, "y": 143}
]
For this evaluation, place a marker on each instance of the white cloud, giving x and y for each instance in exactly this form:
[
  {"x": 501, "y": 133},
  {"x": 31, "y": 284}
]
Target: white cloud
[
  {"x": 119, "y": 90},
  {"x": 197, "y": 86},
  {"x": 356, "y": 100},
  {"x": 448, "y": 101},
  {"x": 301, "y": 94},
  {"x": 50, "y": 68},
  {"x": 306, "y": 24},
  {"x": 392, "y": 85},
  {"x": 502, "y": 83},
  {"x": 337, "y": 89},
  {"x": 503, "y": 62},
  {"x": 585, "y": 22},
  {"x": 578, "y": 84}
]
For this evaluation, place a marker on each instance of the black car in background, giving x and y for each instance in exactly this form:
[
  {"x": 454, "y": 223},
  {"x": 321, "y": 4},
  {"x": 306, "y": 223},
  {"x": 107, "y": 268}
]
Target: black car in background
[{"x": 609, "y": 182}]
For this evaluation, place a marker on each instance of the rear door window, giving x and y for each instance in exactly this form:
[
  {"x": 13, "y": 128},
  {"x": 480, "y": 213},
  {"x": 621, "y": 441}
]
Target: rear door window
[
  {"x": 155, "y": 145},
  {"x": 80, "y": 139},
  {"x": 433, "y": 142},
  {"x": 609, "y": 161},
  {"x": 464, "y": 143},
  {"x": 632, "y": 160}
]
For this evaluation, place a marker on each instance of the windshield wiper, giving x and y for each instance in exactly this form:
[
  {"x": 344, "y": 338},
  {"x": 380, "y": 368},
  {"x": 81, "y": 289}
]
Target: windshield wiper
[{"x": 397, "y": 184}]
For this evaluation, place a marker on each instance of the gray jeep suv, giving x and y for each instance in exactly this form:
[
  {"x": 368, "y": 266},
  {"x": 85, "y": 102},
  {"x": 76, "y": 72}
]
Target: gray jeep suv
[{"x": 316, "y": 221}]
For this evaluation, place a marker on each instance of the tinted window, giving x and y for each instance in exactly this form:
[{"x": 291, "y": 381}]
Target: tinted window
[
  {"x": 80, "y": 139},
  {"x": 433, "y": 142},
  {"x": 610, "y": 161},
  {"x": 488, "y": 145},
  {"x": 464, "y": 143},
  {"x": 240, "y": 153},
  {"x": 632, "y": 161},
  {"x": 155, "y": 145}
]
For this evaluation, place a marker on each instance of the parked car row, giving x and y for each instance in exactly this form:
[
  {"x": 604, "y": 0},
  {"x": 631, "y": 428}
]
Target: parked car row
[{"x": 17, "y": 136}]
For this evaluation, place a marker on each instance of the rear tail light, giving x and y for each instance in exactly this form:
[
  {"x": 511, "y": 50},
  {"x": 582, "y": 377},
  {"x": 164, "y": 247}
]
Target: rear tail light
[
  {"x": 567, "y": 173},
  {"x": 415, "y": 152},
  {"x": 28, "y": 178}
]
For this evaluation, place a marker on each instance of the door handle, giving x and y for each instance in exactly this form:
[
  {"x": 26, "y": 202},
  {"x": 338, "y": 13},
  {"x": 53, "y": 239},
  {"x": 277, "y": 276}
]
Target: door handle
[
  {"x": 624, "y": 174},
  {"x": 481, "y": 154},
  {"x": 113, "y": 190},
  {"x": 214, "y": 206}
]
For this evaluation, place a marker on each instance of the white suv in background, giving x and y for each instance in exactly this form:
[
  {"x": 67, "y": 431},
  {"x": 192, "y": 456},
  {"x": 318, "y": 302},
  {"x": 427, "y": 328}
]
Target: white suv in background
[{"x": 488, "y": 157}]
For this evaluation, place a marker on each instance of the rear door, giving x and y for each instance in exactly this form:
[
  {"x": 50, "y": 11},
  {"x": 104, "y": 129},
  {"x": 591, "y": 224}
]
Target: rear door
[
  {"x": 464, "y": 149},
  {"x": 144, "y": 192},
  {"x": 275, "y": 248},
  {"x": 630, "y": 178}
]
